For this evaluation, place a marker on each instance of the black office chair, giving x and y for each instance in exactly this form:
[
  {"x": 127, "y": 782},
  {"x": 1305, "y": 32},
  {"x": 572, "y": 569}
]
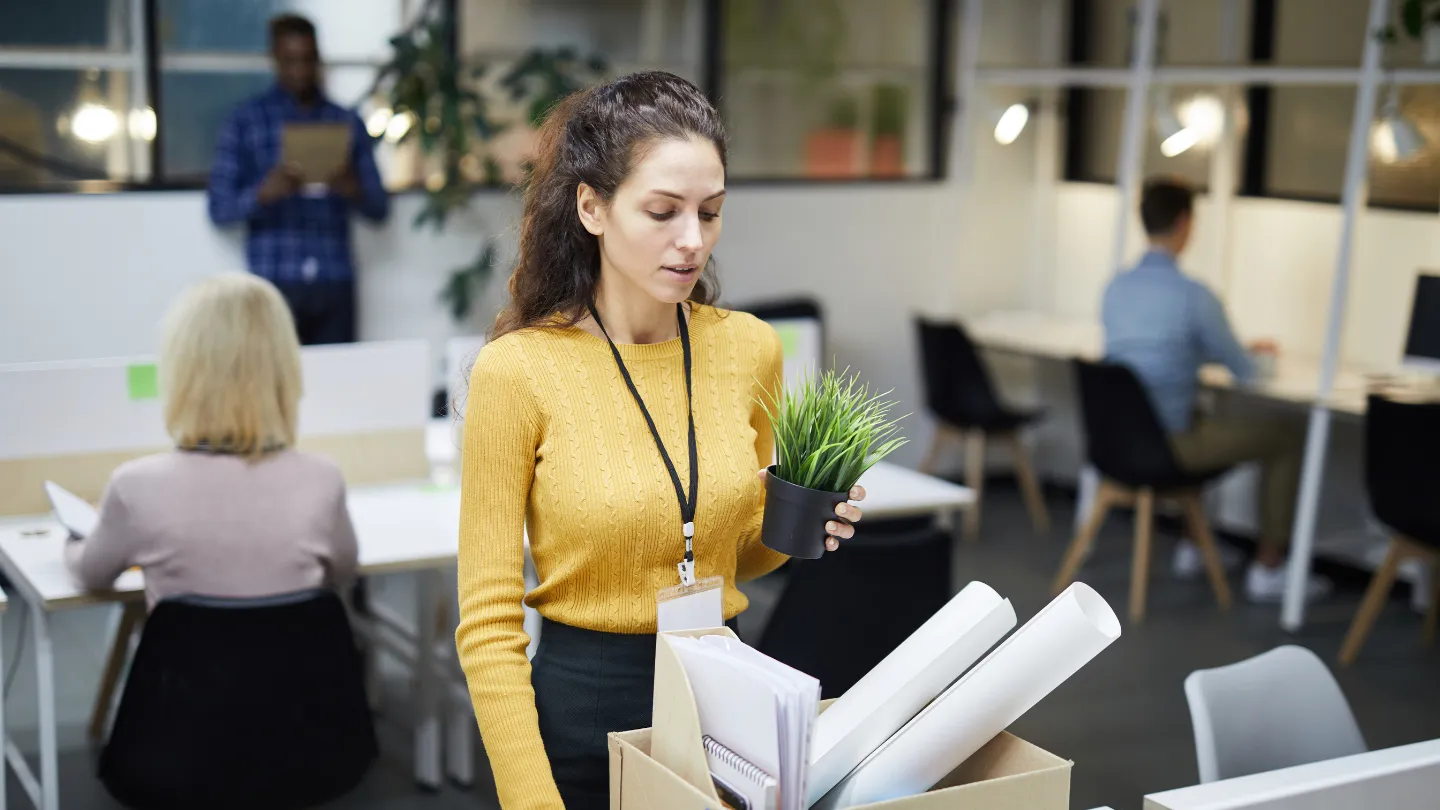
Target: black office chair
[
  {"x": 1127, "y": 444},
  {"x": 841, "y": 615},
  {"x": 241, "y": 703},
  {"x": 961, "y": 397},
  {"x": 1402, "y": 477}
]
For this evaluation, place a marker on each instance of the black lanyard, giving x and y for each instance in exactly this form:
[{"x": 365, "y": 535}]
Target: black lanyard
[{"x": 687, "y": 505}]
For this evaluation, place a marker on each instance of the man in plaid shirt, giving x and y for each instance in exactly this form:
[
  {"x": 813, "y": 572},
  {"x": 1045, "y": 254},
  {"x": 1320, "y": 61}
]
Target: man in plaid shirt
[{"x": 298, "y": 237}]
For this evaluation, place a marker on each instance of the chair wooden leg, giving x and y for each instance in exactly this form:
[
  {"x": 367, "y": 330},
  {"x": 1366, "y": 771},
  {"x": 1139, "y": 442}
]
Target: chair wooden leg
[
  {"x": 1084, "y": 539},
  {"x": 1030, "y": 487},
  {"x": 1209, "y": 552},
  {"x": 132, "y": 614},
  {"x": 1140, "y": 564},
  {"x": 1432, "y": 616},
  {"x": 943, "y": 435},
  {"x": 1371, "y": 606},
  {"x": 975, "y": 480}
]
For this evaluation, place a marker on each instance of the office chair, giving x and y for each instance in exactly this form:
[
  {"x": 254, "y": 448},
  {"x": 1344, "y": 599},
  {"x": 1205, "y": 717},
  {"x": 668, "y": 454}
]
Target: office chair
[
  {"x": 960, "y": 395},
  {"x": 1402, "y": 478},
  {"x": 241, "y": 703},
  {"x": 1275, "y": 710},
  {"x": 1129, "y": 447},
  {"x": 841, "y": 615}
]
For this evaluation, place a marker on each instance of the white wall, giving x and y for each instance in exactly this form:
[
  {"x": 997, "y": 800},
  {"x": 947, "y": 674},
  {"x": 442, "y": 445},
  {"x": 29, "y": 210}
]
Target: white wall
[{"x": 92, "y": 276}]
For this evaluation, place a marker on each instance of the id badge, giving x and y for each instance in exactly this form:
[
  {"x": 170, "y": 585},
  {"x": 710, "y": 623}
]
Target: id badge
[{"x": 691, "y": 607}]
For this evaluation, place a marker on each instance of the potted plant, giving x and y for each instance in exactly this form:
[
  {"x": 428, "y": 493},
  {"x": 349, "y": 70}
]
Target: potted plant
[
  {"x": 828, "y": 431},
  {"x": 834, "y": 149},
  {"x": 887, "y": 150}
]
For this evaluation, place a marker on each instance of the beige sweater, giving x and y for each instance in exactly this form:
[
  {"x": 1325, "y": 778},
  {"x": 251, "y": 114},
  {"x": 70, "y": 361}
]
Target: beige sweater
[{"x": 218, "y": 525}]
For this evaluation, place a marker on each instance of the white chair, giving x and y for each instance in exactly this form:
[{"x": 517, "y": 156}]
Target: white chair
[{"x": 1278, "y": 709}]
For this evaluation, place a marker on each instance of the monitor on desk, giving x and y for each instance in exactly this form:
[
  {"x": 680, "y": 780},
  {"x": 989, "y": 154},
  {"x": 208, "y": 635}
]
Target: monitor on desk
[{"x": 1422, "y": 342}]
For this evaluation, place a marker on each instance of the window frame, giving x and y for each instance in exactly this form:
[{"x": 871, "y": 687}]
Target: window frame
[
  {"x": 144, "y": 59},
  {"x": 1259, "y": 108}
]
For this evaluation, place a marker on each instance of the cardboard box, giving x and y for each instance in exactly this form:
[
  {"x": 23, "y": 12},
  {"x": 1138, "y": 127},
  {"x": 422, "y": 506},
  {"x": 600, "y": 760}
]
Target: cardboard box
[{"x": 1008, "y": 773}]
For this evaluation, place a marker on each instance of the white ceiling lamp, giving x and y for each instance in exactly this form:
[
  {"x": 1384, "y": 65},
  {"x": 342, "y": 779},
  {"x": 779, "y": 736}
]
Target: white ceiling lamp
[
  {"x": 94, "y": 123},
  {"x": 398, "y": 125},
  {"x": 1012, "y": 122},
  {"x": 1204, "y": 115},
  {"x": 141, "y": 124},
  {"x": 1394, "y": 138},
  {"x": 377, "y": 122},
  {"x": 1175, "y": 137}
]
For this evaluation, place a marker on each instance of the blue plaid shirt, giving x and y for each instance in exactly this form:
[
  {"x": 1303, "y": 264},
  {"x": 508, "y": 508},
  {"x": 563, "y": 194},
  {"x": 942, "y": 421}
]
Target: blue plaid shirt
[{"x": 299, "y": 239}]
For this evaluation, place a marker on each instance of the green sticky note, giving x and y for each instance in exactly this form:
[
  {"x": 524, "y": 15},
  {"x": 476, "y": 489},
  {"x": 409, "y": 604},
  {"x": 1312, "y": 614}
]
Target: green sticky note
[
  {"x": 789, "y": 339},
  {"x": 143, "y": 381}
]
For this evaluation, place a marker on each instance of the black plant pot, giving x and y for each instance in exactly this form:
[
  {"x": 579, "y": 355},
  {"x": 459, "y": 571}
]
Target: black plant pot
[{"x": 795, "y": 517}]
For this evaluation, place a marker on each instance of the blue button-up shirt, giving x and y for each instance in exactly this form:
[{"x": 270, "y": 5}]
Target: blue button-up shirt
[
  {"x": 1165, "y": 326},
  {"x": 300, "y": 238}
]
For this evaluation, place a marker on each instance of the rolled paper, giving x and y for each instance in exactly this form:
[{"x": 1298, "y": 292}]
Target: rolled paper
[{"x": 1038, "y": 657}]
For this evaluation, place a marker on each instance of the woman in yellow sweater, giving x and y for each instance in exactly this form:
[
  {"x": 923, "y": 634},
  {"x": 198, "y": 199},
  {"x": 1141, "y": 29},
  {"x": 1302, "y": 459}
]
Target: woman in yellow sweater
[{"x": 614, "y": 415}]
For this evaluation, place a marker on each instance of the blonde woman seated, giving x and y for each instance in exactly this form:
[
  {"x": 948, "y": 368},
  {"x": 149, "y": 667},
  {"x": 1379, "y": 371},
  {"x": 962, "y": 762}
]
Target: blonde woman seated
[{"x": 233, "y": 510}]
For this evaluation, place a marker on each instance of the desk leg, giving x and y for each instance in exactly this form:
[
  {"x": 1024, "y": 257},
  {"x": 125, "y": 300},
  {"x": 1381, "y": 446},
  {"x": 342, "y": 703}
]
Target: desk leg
[
  {"x": 427, "y": 706},
  {"x": 45, "y": 686},
  {"x": 1085, "y": 498},
  {"x": 131, "y": 614},
  {"x": 4, "y": 729}
]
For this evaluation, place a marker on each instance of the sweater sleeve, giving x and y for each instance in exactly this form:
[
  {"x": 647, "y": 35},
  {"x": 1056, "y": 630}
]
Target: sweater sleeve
[
  {"x": 753, "y": 559},
  {"x": 502, "y": 434},
  {"x": 99, "y": 559}
]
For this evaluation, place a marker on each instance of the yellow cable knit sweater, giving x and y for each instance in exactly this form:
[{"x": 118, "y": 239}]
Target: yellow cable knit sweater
[{"x": 554, "y": 441}]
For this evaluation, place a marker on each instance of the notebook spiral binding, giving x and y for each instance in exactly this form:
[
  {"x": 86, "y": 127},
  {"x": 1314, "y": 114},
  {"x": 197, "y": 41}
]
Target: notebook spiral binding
[{"x": 734, "y": 760}]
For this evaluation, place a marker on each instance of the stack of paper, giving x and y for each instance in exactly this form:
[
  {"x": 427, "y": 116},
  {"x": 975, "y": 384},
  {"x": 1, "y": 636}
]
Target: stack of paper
[
  {"x": 79, "y": 517},
  {"x": 756, "y": 708},
  {"x": 901, "y": 685}
]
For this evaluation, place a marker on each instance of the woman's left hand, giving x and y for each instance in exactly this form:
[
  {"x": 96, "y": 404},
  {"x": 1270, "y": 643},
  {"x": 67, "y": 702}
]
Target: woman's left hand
[{"x": 849, "y": 513}]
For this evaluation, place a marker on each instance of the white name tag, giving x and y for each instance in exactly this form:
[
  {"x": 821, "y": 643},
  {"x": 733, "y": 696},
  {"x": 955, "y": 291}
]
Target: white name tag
[{"x": 691, "y": 607}]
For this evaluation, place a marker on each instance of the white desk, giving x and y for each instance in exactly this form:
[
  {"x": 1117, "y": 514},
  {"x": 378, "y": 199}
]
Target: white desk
[
  {"x": 400, "y": 528},
  {"x": 1405, "y": 777},
  {"x": 1062, "y": 337},
  {"x": 891, "y": 491},
  {"x": 1058, "y": 337}
]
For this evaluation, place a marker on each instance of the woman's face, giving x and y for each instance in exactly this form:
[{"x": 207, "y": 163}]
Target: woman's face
[{"x": 658, "y": 230}]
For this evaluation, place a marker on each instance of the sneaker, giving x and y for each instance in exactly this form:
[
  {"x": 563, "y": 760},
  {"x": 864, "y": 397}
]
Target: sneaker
[
  {"x": 1188, "y": 564},
  {"x": 1267, "y": 585}
]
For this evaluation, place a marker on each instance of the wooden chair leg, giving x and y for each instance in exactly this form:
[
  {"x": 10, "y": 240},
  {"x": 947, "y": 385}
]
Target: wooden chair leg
[
  {"x": 132, "y": 614},
  {"x": 1140, "y": 564},
  {"x": 1084, "y": 540},
  {"x": 1209, "y": 552},
  {"x": 975, "y": 480},
  {"x": 1030, "y": 487},
  {"x": 1432, "y": 616},
  {"x": 943, "y": 435},
  {"x": 1371, "y": 606}
]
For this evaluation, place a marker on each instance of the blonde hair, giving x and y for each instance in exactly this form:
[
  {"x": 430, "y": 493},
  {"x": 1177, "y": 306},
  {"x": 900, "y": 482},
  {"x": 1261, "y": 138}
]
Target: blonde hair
[{"x": 230, "y": 367}]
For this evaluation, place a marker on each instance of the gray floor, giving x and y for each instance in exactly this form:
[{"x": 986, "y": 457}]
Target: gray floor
[{"x": 1122, "y": 719}]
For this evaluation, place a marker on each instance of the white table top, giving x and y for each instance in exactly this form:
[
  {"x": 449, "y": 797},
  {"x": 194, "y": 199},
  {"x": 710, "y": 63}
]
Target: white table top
[
  {"x": 406, "y": 526},
  {"x": 1404, "y": 776},
  {"x": 1061, "y": 337},
  {"x": 890, "y": 490},
  {"x": 399, "y": 527}
]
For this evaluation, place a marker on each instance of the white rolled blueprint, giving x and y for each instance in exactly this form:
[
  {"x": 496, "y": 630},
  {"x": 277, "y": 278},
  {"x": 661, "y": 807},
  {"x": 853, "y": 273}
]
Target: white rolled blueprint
[
  {"x": 899, "y": 687},
  {"x": 1038, "y": 657}
]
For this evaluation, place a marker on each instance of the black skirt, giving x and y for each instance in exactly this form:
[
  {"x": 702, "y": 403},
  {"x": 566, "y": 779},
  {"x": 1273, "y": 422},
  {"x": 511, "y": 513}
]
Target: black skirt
[{"x": 588, "y": 684}]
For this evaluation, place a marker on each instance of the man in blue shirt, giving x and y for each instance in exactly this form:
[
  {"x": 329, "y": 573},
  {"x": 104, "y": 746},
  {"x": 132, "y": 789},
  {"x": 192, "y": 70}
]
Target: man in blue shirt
[
  {"x": 298, "y": 236},
  {"x": 1165, "y": 326}
]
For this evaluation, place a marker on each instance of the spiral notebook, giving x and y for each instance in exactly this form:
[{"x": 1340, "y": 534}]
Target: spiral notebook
[{"x": 741, "y": 785}]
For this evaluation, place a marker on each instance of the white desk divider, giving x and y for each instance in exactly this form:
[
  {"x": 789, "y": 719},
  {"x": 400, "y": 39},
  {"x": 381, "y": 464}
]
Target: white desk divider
[
  {"x": 800, "y": 339},
  {"x": 365, "y": 405}
]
